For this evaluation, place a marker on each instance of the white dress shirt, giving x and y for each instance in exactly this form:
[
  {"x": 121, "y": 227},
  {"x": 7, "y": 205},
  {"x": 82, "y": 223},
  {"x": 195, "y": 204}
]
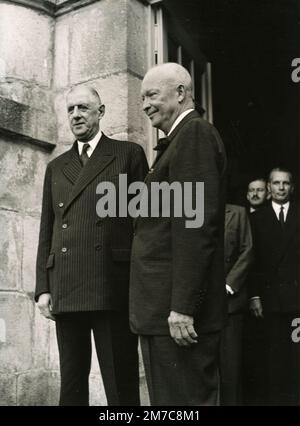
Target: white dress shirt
[
  {"x": 179, "y": 119},
  {"x": 277, "y": 208},
  {"x": 93, "y": 143}
]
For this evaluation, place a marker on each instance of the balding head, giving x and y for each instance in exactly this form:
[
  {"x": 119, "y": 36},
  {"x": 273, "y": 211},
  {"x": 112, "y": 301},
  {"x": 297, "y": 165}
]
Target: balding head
[
  {"x": 85, "y": 111},
  {"x": 166, "y": 93}
]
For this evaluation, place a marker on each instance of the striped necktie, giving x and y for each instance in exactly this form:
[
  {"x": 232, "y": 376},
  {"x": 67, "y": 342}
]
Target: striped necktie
[{"x": 84, "y": 158}]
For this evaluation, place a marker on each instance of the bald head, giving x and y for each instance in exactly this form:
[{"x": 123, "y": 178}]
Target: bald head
[
  {"x": 85, "y": 112},
  {"x": 171, "y": 74},
  {"x": 166, "y": 93}
]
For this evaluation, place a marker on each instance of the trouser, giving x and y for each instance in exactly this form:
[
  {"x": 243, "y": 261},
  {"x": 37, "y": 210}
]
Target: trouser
[
  {"x": 231, "y": 361},
  {"x": 117, "y": 354},
  {"x": 180, "y": 375},
  {"x": 254, "y": 361},
  {"x": 282, "y": 360}
]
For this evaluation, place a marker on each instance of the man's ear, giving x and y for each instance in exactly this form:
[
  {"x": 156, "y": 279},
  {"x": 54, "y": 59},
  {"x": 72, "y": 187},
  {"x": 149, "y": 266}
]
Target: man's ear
[
  {"x": 181, "y": 93},
  {"x": 101, "y": 111}
]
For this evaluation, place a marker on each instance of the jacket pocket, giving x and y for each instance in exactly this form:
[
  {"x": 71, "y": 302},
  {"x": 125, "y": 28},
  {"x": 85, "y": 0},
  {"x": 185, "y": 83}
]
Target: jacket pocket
[
  {"x": 121, "y": 255},
  {"x": 50, "y": 261}
]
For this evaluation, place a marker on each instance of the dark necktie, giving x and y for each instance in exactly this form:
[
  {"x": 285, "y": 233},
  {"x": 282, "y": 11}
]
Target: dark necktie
[
  {"x": 84, "y": 158},
  {"x": 162, "y": 144},
  {"x": 281, "y": 217}
]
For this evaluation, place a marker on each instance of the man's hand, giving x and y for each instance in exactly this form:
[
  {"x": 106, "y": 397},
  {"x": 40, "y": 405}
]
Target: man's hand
[
  {"x": 255, "y": 307},
  {"x": 45, "y": 305},
  {"x": 182, "y": 329}
]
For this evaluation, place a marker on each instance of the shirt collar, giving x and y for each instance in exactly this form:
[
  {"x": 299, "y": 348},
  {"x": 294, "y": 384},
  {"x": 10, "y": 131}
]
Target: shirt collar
[
  {"x": 277, "y": 207},
  {"x": 179, "y": 119},
  {"x": 93, "y": 143}
]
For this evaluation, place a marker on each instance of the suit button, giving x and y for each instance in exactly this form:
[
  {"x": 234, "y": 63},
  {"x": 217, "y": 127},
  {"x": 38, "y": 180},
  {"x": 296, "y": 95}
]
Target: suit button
[
  {"x": 228, "y": 259},
  {"x": 64, "y": 250},
  {"x": 65, "y": 225},
  {"x": 98, "y": 247},
  {"x": 60, "y": 205}
]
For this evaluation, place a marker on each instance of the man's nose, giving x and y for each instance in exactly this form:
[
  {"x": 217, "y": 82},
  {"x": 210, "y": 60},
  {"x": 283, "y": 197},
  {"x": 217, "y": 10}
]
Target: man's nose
[
  {"x": 146, "y": 104},
  {"x": 76, "y": 112}
]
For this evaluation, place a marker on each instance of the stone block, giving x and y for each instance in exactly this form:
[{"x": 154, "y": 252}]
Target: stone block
[
  {"x": 53, "y": 388},
  {"x": 16, "y": 311},
  {"x": 64, "y": 133},
  {"x": 114, "y": 94},
  {"x": 61, "y": 56},
  {"x": 52, "y": 348},
  {"x": 144, "y": 394},
  {"x": 26, "y": 121},
  {"x": 33, "y": 388},
  {"x": 98, "y": 40},
  {"x": 31, "y": 235},
  {"x": 21, "y": 29},
  {"x": 138, "y": 123},
  {"x": 8, "y": 388},
  {"x": 137, "y": 37},
  {"x": 97, "y": 392},
  {"x": 22, "y": 168},
  {"x": 11, "y": 237},
  {"x": 40, "y": 340},
  {"x": 27, "y": 93}
]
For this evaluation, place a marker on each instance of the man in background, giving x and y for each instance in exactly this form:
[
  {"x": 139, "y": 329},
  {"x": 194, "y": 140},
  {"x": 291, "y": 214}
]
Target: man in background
[
  {"x": 275, "y": 287},
  {"x": 257, "y": 194},
  {"x": 237, "y": 260}
]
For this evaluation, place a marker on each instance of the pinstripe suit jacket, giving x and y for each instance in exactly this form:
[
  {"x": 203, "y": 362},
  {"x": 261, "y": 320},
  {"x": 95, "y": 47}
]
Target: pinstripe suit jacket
[{"x": 83, "y": 260}]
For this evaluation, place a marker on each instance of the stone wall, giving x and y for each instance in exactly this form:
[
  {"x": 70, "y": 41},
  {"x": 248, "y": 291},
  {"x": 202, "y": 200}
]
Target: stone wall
[{"x": 41, "y": 56}]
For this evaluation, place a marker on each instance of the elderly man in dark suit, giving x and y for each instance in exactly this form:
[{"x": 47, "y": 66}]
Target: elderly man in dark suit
[
  {"x": 237, "y": 259},
  {"x": 83, "y": 260},
  {"x": 177, "y": 292},
  {"x": 275, "y": 288}
]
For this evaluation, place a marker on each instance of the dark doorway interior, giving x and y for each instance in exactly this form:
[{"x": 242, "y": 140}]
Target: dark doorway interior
[{"x": 251, "y": 45}]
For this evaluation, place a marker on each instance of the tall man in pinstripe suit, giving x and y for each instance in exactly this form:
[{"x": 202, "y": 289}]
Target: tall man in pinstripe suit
[{"x": 83, "y": 260}]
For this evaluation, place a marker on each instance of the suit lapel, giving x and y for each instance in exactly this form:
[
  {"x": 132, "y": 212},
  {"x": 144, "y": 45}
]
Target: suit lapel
[
  {"x": 72, "y": 168},
  {"x": 289, "y": 228},
  {"x": 188, "y": 117},
  {"x": 100, "y": 159},
  {"x": 282, "y": 237},
  {"x": 228, "y": 217}
]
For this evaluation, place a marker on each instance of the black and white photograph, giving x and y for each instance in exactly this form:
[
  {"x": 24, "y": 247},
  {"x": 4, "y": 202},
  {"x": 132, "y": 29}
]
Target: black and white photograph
[{"x": 149, "y": 205}]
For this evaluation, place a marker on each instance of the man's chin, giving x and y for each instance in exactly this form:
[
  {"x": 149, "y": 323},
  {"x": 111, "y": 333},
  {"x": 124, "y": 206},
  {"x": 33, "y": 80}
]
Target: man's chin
[{"x": 79, "y": 134}]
